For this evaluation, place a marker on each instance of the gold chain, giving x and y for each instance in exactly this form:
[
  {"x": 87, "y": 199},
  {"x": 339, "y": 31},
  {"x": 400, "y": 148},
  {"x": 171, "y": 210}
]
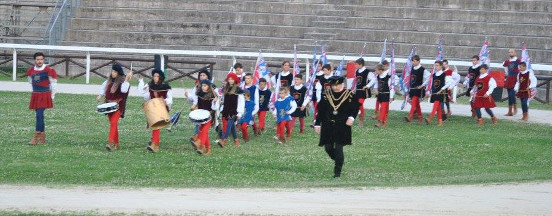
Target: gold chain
[{"x": 341, "y": 99}]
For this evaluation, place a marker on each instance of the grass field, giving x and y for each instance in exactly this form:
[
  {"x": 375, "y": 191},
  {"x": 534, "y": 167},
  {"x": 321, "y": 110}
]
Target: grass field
[{"x": 401, "y": 155}]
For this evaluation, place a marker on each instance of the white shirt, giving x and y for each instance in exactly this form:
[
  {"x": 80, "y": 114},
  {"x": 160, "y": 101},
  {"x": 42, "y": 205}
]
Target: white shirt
[
  {"x": 125, "y": 86},
  {"x": 391, "y": 90},
  {"x": 492, "y": 83},
  {"x": 319, "y": 88},
  {"x": 532, "y": 80},
  {"x": 144, "y": 91}
]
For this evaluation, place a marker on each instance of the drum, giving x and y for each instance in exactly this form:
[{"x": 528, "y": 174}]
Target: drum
[
  {"x": 107, "y": 108},
  {"x": 200, "y": 116},
  {"x": 156, "y": 113}
]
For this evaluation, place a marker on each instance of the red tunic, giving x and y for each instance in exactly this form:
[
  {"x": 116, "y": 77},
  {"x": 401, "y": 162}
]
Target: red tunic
[
  {"x": 41, "y": 97},
  {"x": 513, "y": 71},
  {"x": 117, "y": 97},
  {"x": 482, "y": 85},
  {"x": 524, "y": 82}
]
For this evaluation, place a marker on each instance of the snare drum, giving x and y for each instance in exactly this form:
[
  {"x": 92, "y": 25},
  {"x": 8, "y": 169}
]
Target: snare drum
[
  {"x": 200, "y": 116},
  {"x": 107, "y": 108}
]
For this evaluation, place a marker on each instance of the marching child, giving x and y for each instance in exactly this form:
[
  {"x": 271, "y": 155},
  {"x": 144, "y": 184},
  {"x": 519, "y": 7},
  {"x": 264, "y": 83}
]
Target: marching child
[
  {"x": 439, "y": 88},
  {"x": 233, "y": 109},
  {"x": 264, "y": 100},
  {"x": 299, "y": 93},
  {"x": 247, "y": 118},
  {"x": 284, "y": 106},
  {"x": 385, "y": 94},
  {"x": 485, "y": 85},
  {"x": 525, "y": 82},
  {"x": 207, "y": 100}
]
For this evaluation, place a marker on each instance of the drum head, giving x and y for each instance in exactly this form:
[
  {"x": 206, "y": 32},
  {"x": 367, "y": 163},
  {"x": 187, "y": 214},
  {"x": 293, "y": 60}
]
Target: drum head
[
  {"x": 107, "y": 108},
  {"x": 200, "y": 114},
  {"x": 106, "y": 105}
]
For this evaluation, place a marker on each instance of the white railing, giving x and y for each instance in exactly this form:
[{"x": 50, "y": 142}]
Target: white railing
[{"x": 88, "y": 50}]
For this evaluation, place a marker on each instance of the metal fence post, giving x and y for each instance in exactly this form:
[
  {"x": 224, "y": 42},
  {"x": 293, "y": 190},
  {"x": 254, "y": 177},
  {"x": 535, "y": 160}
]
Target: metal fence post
[
  {"x": 14, "y": 64},
  {"x": 87, "y": 67}
]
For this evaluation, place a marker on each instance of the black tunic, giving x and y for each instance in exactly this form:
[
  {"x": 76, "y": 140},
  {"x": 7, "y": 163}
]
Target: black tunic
[
  {"x": 299, "y": 96},
  {"x": 361, "y": 82},
  {"x": 473, "y": 73},
  {"x": 333, "y": 127},
  {"x": 438, "y": 83},
  {"x": 230, "y": 109},
  {"x": 416, "y": 79},
  {"x": 285, "y": 81},
  {"x": 383, "y": 88}
]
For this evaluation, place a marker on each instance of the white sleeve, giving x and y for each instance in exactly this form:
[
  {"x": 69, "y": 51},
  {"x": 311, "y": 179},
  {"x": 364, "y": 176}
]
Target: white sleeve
[
  {"x": 125, "y": 87},
  {"x": 532, "y": 80},
  {"x": 505, "y": 68},
  {"x": 256, "y": 95},
  {"x": 169, "y": 99},
  {"x": 53, "y": 86},
  {"x": 215, "y": 105},
  {"x": 306, "y": 101},
  {"x": 372, "y": 79},
  {"x": 492, "y": 86},
  {"x": 192, "y": 97},
  {"x": 143, "y": 89},
  {"x": 318, "y": 88},
  {"x": 516, "y": 87},
  {"x": 241, "y": 105},
  {"x": 456, "y": 77},
  {"x": 427, "y": 74},
  {"x": 273, "y": 80},
  {"x": 448, "y": 83},
  {"x": 102, "y": 89},
  {"x": 293, "y": 107}
]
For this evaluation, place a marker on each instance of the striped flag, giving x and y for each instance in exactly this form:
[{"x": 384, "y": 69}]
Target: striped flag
[
  {"x": 261, "y": 69},
  {"x": 405, "y": 82},
  {"x": 525, "y": 56},
  {"x": 323, "y": 56},
  {"x": 439, "y": 57},
  {"x": 392, "y": 68},
  {"x": 340, "y": 67},
  {"x": 484, "y": 55},
  {"x": 295, "y": 64},
  {"x": 384, "y": 51}
]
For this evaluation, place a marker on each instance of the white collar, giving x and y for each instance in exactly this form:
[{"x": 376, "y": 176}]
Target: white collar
[
  {"x": 524, "y": 72},
  {"x": 513, "y": 59},
  {"x": 417, "y": 67},
  {"x": 297, "y": 87},
  {"x": 362, "y": 69},
  {"x": 280, "y": 99},
  {"x": 382, "y": 75},
  {"x": 320, "y": 73},
  {"x": 438, "y": 73},
  {"x": 327, "y": 76},
  {"x": 475, "y": 66},
  {"x": 248, "y": 86},
  {"x": 265, "y": 88},
  {"x": 483, "y": 75},
  {"x": 40, "y": 68},
  {"x": 283, "y": 73}
]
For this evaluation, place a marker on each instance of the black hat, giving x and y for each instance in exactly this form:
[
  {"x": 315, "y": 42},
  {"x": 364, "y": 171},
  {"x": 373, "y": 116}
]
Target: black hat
[
  {"x": 206, "y": 82},
  {"x": 118, "y": 68},
  {"x": 204, "y": 71},
  {"x": 160, "y": 72},
  {"x": 336, "y": 80}
]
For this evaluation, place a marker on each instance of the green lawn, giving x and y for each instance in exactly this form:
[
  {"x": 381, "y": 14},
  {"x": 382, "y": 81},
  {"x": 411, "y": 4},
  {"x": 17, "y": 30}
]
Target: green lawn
[{"x": 402, "y": 155}]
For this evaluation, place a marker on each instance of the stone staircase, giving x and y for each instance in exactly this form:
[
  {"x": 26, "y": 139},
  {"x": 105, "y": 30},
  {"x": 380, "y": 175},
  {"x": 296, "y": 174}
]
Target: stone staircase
[{"x": 342, "y": 25}]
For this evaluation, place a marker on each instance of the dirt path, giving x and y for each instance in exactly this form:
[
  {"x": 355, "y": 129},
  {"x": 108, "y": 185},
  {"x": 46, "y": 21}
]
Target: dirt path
[{"x": 507, "y": 199}]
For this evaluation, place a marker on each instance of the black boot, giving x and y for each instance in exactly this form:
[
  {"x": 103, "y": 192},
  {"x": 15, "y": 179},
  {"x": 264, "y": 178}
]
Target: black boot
[{"x": 337, "y": 170}]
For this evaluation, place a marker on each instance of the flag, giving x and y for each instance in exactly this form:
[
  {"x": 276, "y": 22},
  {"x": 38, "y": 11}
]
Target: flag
[
  {"x": 232, "y": 66},
  {"x": 363, "y": 50},
  {"x": 405, "y": 82},
  {"x": 275, "y": 94},
  {"x": 313, "y": 69},
  {"x": 439, "y": 57},
  {"x": 323, "y": 56},
  {"x": 261, "y": 69},
  {"x": 340, "y": 67},
  {"x": 296, "y": 68},
  {"x": 392, "y": 66},
  {"x": 384, "y": 51},
  {"x": 484, "y": 55},
  {"x": 525, "y": 56}
]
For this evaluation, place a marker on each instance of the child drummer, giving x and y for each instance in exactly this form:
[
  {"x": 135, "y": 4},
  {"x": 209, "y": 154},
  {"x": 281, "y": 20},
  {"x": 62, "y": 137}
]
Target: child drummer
[{"x": 156, "y": 88}]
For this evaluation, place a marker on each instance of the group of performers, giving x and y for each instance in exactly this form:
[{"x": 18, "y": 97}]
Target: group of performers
[{"x": 239, "y": 103}]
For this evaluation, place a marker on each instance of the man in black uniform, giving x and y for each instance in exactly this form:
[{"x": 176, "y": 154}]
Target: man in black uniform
[{"x": 337, "y": 110}]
